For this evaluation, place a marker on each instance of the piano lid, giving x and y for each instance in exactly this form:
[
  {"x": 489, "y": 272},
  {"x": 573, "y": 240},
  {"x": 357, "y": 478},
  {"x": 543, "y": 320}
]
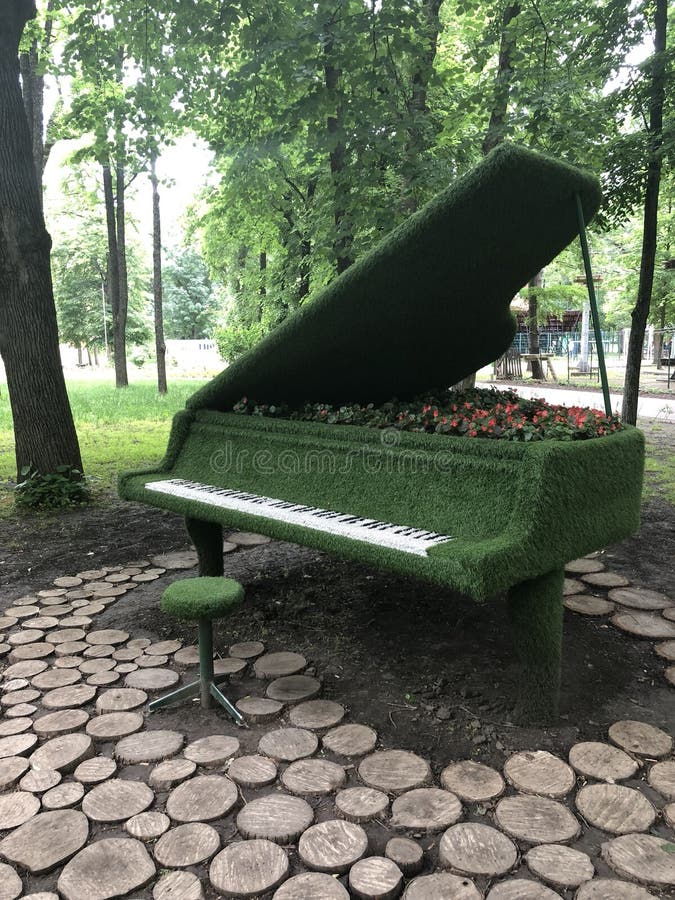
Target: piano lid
[{"x": 430, "y": 303}]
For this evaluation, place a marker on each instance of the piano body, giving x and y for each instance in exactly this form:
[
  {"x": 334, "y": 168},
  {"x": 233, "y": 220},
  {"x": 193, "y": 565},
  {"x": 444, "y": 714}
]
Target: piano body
[{"x": 426, "y": 307}]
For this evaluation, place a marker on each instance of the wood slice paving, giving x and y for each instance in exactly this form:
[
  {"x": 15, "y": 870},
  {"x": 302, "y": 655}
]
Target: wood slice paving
[
  {"x": 247, "y": 649},
  {"x": 16, "y": 808},
  {"x": 442, "y": 886},
  {"x": 640, "y": 738},
  {"x": 584, "y": 566},
  {"x": 394, "y": 771},
  {"x": 22, "y": 709},
  {"x": 19, "y": 697},
  {"x": 276, "y": 665},
  {"x": 103, "y": 678},
  {"x": 202, "y": 799},
  {"x": 11, "y": 886},
  {"x": 350, "y": 740},
  {"x": 229, "y": 666},
  {"x": 277, "y": 817},
  {"x": 213, "y": 750},
  {"x": 116, "y": 800},
  {"x": 31, "y": 651},
  {"x": 615, "y": 808},
  {"x": 293, "y": 688},
  {"x": 64, "y": 721},
  {"x": 95, "y": 770},
  {"x": 249, "y": 868},
  {"x": 361, "y": 804},
  {"x": 375, "y": 878},
  {"x": 37, "y": 781},
  {"x": 407, "y": 854},
  {"x": 605, "y": 580},
  {"x": 536, "y": 820},
  {"x": 472, "y": 782},
  {"x": 311, "y": 886},
  {"x": 187, "y": 845},
  {"x": 107, "y": 636},
  {"x": 593, "y": 759},
  {"x": 163, "y": 648},
  {"x": 520, "y": 889},
  {"x": 148, "y": 746},
  {"x": 46, "y": 841},
  {"x": 560, "y": 866},
  {"x": 171, "y": 772},
  {"x": 252, "y": 771},
  {"x": 317, "y": 714},
  {"x": 25, "y": 669},
  {"x": 333, "y": 846},
  {"x": 17, "y": 745},
  {"x": 15, "y": 726},
  {"x": 150, "y": 680},
  {"x": 56, "y": 678},
  {"x": 68, "y": 793},
  {"x": 425, "y": 810},
  {"x": 68, "y": 697},
  {"x": 539, "y": 772},
  {"x": 642, "y": 624},
  {"x": 288, "y": 744},
  {"x": 639, "y": 857},
  {"x": 471, "y": 848},
  {"x": 113, "y": 726},
  {"x": 662, "y": 778},
  {"x": 178, "y": 886},
  {"x": 63, "y": 753},
  {"x": 587, "y": 605},
  {"x": 111, "y": 867},
  {"x": 640, "y": 598},
  {"x": 120, "y": 700},
  {"x": 313, "y": 776},
  {"x": 612, "y": 889}
]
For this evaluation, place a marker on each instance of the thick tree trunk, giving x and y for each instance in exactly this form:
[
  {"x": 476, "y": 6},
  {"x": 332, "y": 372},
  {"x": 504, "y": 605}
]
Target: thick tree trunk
[
  {"x": 160, "y": 346},
  {"x": 496, "y": 131},
  {"x": 533, "y": 324},
  {"x": 121, "y": 377},
  {"x": 640, "y": 312},
  {"x": 33, "y": 86},
  {"x": 262, "y": 290},
  {"x": 44, "y": 432},
  {"x": 343, "y": 237},
  {"x": 417, "y": 140}
]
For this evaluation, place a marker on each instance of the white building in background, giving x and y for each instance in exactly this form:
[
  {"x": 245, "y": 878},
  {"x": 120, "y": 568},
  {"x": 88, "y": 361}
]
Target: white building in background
[{"x": 198, "y": 357}]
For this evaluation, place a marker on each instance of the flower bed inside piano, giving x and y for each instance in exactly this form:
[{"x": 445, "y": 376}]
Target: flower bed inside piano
[{"x": 487, "y": 414}]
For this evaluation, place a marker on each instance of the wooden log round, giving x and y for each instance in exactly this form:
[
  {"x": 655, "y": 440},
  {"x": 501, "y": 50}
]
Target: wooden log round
[
  {"x": 112, "y": 636},
  {"x": 361, "y": 804},
  {"x": 332, "y": 846},
  {"x": 277, "y": 665},
  {"x": 584, "y": 566},
  {"x": 252, "y": 771},
  {"x": 11, "y": 769},
  {"x": 12, "y": 886},
  {"x": 116, "y": 800},
  {"x": 536, "y": 820},
  {"x": 640, "y": 738},
  {"x": 560, "y": 866},
  {"x": 539, "y": 772},
  {"x": 187, "y": 845},
  {"x": 55, "y": 678},
  {"x": 573, "y": 586},
  {"x": 375, "y": 878},
  {"x": 442, "y": 886},
  {"x": 406, "y": 853},
  {"x": 63, "y": 753},
  {"x": 247, "y": 649},
  {"x": 38, "y": 781},
  {"x": 114, "y": 726},
  {"x": 288, "y": 744},
  {"x": 350, "y": 740},
  {"x": 68, "y": 793},
  {"x": 213, "y": 750},
  {"x": 662, "y": 778},
  {"x": 472, "y": 848},
  {"x": 147, "y": 826},
  {"x": 293, "y": 688},
  {"x": 46, "y": 841},
  {"x": 520, "y": 889},
  {"x": 394, "y": 771},
  {"x": 311, "y": 886},
  {"x": 68, "y": 697},
  {"x": 249, "y": 868},
  {"x": 644, "y": 624},
  {"x": 149, "y": 680},
  {"x": 16, "y": 808},
  {"x": 95, "y": 770},
  {"x": 111, "y": 867},
  {"x": 615, "y": 808},
  {"x": 203, "y": 798},
  {"x": 472, "y": 782},
  {"x": 313, "y": 776},
  {"x": 605, "y": 579},
  {"x": 17, "y": 745},
  {"x": 612, "y": 889},
  {"x": 148, "y": 746},
  {"x": 641, "y": 857},
  {"x": 640, "y": 598},
  {"x": 178, "y": 885},
  {"x": 166, "y": 775},
  {"x": 425, "y": 810},
  {"x": 317, "y": 714},
  {"x": 120, "y": 700},
  {"x": 587, "y": 605},
  {"x": 277, "y": 817},
  {"x": 594, "y": 759}
]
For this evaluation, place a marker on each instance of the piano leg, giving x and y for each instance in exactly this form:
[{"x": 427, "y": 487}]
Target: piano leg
[
  {"x": 536, "y": 612},
  {"x": 208, "y": 539}
]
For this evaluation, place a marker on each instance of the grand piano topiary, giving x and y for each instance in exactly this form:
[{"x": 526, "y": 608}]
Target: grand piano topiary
[{"x": 427, "y": 306}]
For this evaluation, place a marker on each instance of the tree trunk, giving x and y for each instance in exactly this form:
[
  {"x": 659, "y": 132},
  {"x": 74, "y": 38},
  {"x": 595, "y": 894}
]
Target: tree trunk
[
  {"x": 417, "y": 141},
  {"x": 651, "y": 208},
  {"x": 533, "y": 324},
  {"x": 496, "y": 131},
  {"x": 113, "y": 281},
  {"x": 33, "y": 85},
  {"x": 121, "y": 377},
  {"x": 44, "y": 431},
  {"x": 262, "y": 290},
  {"x": 160, "y": 346},
  {"x": 343, "y": 237}
]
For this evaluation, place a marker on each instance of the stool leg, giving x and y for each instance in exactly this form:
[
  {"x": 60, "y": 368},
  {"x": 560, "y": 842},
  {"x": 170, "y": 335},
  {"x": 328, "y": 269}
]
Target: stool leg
[{"x": 205, "y": 661}]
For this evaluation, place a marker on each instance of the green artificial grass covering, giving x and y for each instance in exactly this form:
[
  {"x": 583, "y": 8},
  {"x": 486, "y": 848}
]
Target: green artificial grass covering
[
  {"x": 202, "y": 598},
  {"x": 515, "y": 510},
  {"x": 430, "y": 303}
]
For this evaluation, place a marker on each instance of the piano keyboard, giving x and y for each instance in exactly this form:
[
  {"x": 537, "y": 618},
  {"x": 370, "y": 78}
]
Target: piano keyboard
[{"x": 370, "y": 531}]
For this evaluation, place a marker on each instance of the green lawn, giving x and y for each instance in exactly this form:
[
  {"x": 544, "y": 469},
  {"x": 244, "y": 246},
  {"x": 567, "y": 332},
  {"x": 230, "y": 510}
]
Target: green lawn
[{"x": 118, "y": 429}]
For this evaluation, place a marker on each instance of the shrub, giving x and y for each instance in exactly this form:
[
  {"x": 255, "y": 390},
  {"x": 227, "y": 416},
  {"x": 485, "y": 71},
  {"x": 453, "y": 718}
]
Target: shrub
[
  {"x": 486, "y": 414},
  {"x": 55, "y": 490}
]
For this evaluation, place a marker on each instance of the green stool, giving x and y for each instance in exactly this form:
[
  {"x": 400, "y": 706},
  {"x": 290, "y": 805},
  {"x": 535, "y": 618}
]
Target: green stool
[{"x": 203, "y": 599}]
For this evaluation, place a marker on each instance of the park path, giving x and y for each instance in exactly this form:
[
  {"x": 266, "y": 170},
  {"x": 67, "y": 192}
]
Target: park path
[{"x": 648, "y": 407}]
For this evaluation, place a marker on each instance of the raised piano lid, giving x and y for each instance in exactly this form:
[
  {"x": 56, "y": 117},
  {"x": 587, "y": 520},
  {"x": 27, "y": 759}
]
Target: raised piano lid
[{"x": 430, "y": 303}]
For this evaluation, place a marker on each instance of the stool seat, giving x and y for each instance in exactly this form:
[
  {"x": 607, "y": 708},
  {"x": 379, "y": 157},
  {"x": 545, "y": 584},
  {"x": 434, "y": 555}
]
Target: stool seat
[{"x": 202, "y": 598}]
